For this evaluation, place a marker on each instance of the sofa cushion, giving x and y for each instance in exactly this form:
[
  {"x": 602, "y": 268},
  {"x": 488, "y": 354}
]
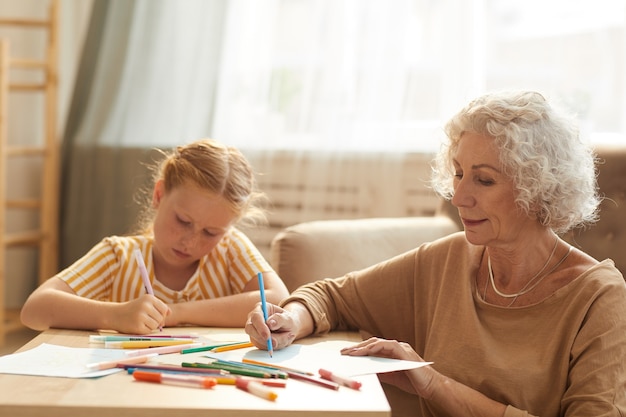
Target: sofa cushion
[{"x": 330, "y": 248}]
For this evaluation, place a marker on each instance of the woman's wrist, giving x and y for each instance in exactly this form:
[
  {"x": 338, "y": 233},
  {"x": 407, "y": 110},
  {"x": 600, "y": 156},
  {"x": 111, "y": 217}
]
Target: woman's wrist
[{"x": 302, "y": 322}]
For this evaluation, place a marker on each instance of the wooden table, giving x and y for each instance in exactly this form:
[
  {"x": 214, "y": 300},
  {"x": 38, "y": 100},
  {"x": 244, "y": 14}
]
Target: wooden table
[{"x": 118, "y": 395}]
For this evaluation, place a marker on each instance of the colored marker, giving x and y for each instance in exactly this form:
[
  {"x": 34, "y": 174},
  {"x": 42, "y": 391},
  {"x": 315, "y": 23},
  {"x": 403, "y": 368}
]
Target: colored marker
[
  {"x": 127, "y": 338},
  {"x": 175, "y": 379},
  {"x": 142, "y": 344},
  {"x": 161, "y": 350},
  {"x": 255, "y": 388},
  {"x": 341, "y": 380},
  {"x": 270, "y": 348}
]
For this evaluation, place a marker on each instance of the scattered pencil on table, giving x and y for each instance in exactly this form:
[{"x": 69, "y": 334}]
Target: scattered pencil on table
[
  {"x": 207, "y": 348},
  {"x": 341, "y": 380},
  {"x": 237, "y": 370},
  {"x": 256, "y": 388},
  {"x": 313, "y": 380},
  {"x": 273, "y": 372},
  {"x": 270, "y": 348},
  {"x": 233, "y": 346},
  {"x": 130, "y": 368},
  {"x": 175, "y": 379},
  {"x": 275, "y": 366}
]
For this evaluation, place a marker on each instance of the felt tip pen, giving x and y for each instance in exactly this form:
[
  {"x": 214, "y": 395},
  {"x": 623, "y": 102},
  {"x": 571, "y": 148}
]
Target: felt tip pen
[
  {"x": 255, "y": 388},
  {"x": 175, "y": 379},
  {"x": 142, "y": 344},
  {"x": 161, "y": 350},
  {"x": 103, "y": 339},
  {"x": 341, "y": 380},
  {"x": 121, "y": 361}
]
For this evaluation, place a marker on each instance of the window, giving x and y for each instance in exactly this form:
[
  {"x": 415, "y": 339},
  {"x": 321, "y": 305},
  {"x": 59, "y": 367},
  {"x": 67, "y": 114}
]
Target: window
[{"x": 374, "y": 75}]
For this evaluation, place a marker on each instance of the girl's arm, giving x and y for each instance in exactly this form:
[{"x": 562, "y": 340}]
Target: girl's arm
[
  {"x": 54, "y": 304},
  {"x": 228, "y": 311}
]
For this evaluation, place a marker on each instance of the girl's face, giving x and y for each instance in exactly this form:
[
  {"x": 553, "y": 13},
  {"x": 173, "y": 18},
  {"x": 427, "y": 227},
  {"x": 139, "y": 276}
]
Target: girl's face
[{"x": 189, "y": 223}]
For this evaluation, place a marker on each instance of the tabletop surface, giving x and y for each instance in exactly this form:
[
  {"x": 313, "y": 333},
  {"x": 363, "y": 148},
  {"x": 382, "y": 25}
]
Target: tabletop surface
[{"x": 120, "y": 396}]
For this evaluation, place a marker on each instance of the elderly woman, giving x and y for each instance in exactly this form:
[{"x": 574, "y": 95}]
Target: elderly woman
[{"x": 516, "y": 321}]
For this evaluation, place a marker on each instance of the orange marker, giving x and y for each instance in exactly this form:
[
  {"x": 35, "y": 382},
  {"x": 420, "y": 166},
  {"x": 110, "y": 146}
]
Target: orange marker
[
  {"x": 175, "y": 379},
  {"x": 256, "y": 388},
  {"x": 339, "y": 379}
]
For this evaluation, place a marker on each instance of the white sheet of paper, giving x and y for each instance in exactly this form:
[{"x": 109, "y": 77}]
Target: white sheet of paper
[
  {"x": 325, "y": 355},
  {"x": 60, "y": 361}
]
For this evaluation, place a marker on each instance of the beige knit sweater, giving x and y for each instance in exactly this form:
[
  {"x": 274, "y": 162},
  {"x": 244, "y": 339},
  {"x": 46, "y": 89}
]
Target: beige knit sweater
[{"x": 565, "y": 356}]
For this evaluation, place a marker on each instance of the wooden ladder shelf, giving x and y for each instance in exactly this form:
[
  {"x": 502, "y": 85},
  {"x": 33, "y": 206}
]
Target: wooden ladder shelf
[{"x": 45, "y": 237}]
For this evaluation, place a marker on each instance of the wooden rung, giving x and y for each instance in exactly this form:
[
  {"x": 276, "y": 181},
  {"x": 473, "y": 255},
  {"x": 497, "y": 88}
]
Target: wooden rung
[
  {"x": 23, "y": 204},
  {"x": 23, "y": 239},
  {"x": 27, "y": 87},
  {"x": 40, "y": 23},
  {"x": 28, "y": 63},
  {"x": 25, "y": 150}
]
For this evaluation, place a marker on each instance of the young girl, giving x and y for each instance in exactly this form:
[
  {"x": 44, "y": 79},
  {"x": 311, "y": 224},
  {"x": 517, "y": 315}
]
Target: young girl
[{"x": 202, "y": 269}]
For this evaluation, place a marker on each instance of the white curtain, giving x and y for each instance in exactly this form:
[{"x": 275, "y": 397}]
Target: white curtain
[
  {"x": 323, "y": 80},
  {"x": 147, "y": 79}
]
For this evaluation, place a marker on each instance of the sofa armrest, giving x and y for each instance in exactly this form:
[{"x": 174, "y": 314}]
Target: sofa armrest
[{"x": 330, "y": 248}]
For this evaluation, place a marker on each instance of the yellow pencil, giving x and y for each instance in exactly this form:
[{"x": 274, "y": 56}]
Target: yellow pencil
[
  {"x": 275, "y": 366},
  {"x": 241, "y": 345}
]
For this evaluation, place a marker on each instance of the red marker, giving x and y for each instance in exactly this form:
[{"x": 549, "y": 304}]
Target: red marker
[
  {"x": 339, "y": 379},
  {"x": 256, "y": 388},
  {"x": 175, "y": 379}
]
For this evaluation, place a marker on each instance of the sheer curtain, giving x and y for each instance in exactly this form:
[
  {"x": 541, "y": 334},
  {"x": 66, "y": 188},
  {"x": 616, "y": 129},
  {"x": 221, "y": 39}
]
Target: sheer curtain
[
  {"x": 366, "y": 75},
  {"x": 147, "y": 79},
  {"x": 305, "y": 88}
]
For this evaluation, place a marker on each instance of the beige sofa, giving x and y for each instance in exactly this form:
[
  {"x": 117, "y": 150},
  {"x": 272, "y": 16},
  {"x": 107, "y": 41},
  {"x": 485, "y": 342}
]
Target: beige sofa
[{"x": 330, "y": 248}]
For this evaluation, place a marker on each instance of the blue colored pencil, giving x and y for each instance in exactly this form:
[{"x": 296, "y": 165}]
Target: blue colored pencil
[{"x": 270, "y": 348}]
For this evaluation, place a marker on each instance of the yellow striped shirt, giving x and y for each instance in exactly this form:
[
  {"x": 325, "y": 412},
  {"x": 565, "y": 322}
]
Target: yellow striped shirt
[{"x": 109, "y": 271}]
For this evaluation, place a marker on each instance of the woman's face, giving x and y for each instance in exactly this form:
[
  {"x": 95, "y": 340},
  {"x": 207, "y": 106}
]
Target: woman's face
[
  {"x": 189, "y": 223},
  {"x": 484, "y": 196}
]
